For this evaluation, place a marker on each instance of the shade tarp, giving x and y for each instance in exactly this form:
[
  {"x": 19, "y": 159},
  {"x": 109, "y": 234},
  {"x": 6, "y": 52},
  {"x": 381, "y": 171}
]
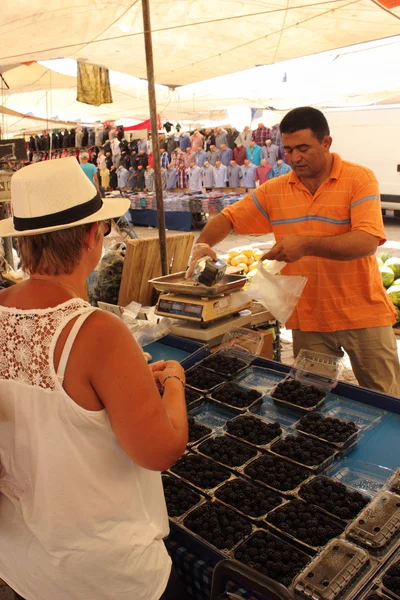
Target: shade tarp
[{"x": 192, "y": 39}]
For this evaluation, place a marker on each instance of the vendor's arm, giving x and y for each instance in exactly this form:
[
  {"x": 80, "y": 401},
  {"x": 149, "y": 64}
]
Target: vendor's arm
[
  {"x": 152, "y": 430},
  {"x": 248, "y": 216},
  {"x": 366, "y": 233}
]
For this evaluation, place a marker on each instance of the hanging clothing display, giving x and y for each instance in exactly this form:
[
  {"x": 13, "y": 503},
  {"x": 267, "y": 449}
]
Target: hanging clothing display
[
  {"x": 234, "y": 175},
  {"x": 164, "y": 160},
  {"x": 78, "y": 137},
  {"x": 139, "y": 178},
  {"x": 182, "y": 179},
  {"x": 197, "y": 140},
  {"x": 213, "y": 156},
  {"x": 209, "y": 141},
  {"x": 232, "y": 137},
  {"x": 189, "y": 158},
  {"x": 208, "y": 176},
  {"x": 262, "y": 173},
  {"x": 194, "y": 179},
  {"x": 149, "y": 179},
  {"x": 253, "y": 154},
  {"x": 221, "y": 138},
  {"x": 142, "y": 146},
  {"x": 221, "y": 176},
  {"x": 122, "y": 175},
  {"x": 141, "y": 159},
  {"x": 184, "y": 142},
  {"x": 239, "y": 155},
  {"x": 279, "y": 169},
  {"x": 172, "y": 178},
  {"x": 177, "y": 158},
  {"x": 248, "y": 176},
  {"x": 105, "y": 178},
  {"x": 170, "y": 145},
  {"x": 244, "y": 138},
  {"x": 168, "y": 126},
  {"x": 164, "y": 178},
  {"x": 261, "y": 135},
  {"x": 98, "y": 134},
  {"x": 270, "y": 153},
  {"x": 200, "y": 157},
  {"x": 225, "y": 156}
]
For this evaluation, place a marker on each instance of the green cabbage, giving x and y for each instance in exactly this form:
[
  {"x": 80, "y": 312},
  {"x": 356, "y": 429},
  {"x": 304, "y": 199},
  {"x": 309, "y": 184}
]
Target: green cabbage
[
  {"x": 394, "y": 264},
  {"x": 387, "y": 276},
  {"x": 394, "y": 294}
]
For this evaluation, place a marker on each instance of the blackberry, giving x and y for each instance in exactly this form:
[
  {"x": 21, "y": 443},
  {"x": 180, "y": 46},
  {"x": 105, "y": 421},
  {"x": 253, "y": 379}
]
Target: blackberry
[
  {"x": 297, "y": 393},
  {"x": 227, "y": 451},
  {"x": 233, "y": 394},
  {"x": 254, "y": 430},
  {"x": 197, "y": 430},
  {"x": 228, "y": 527},
  {"x": 248, "y": 498},
  {"x": 334, "y": 497},
  {"x": 202, "y": 379},
  {"x": 200, "y": 471},
  {"x": 276, "y": 472},
  {"x": 298, "y": 515},
  {"x": 272, "y": 557},
  {"x": 303, "y": 450},
  {"x": 191, "y": 396},
  {"x": 224, "y": 364},
  {"x": 328, "y": 428},
  {"x": 178, "y": 496},
  {"x": 391, "y": 579}
]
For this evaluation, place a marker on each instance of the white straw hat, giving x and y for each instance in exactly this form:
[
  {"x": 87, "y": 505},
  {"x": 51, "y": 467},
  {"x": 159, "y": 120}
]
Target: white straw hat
[{"x": 56, "y": 194}]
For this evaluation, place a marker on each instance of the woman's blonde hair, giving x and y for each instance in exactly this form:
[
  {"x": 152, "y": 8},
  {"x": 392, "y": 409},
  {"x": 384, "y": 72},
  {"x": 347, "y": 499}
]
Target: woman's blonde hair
[{"x": 53, "y": 253}]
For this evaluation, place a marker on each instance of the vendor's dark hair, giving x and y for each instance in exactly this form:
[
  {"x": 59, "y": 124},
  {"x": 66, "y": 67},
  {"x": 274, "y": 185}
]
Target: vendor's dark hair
[{"x": 305, "y": 117}]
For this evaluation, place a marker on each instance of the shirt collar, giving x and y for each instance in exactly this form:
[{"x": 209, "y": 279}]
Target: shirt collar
[{"x": 335, "y": 173}]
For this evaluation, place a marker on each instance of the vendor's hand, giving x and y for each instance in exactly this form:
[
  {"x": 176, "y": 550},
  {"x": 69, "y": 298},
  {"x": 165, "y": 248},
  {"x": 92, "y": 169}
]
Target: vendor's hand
[
  {"x": 158, "y": 366},
  {"x": 199, "y": 250},
  {"x": 171, "y": 367},
  {"x": 288, "y": 249}
]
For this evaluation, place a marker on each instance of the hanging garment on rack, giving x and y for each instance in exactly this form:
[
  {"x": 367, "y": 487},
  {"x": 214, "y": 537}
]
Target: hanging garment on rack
[
  {"x": 98, "y": 135},
  {"x": 60, "y": 139},
  {"x": 54, "y": 141},
  {"x": 71, "y": 138},
  {"x": 85, "y": 137},
  {"x": 172, "y": 178},
  {"x": 91, "y": 137},
  {"x": 32, "y": 144},
  {"x": 78, "y": 137},
  {"x": 105, "y": 178},
  {"x": 234, "y": 175},
  {"x": 182, "y": 179},
  {"x": 208, "y": 176},
  {"x": 149, "y": 179},
  {"x": 139, "y": 179},
  {"x": 65, "y": 140}
]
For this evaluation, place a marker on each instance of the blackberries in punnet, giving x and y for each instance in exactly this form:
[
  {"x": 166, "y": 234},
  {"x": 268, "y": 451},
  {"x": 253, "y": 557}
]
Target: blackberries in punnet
[
  {"x": 225, "y": 365},
  {"x": 227, "y": 451},
  {"x": 303, "y": 450},
  {"x": 334, "y": 497},
  {"x": 272, "y": 557},
  {"x": 305, "y": 523},
  {"x": 200, "y": 471},
  {"x": 254, "y": 430},
  {"x": 178, "y": 496},
  {"x": 197, "y": 430},
  {"x": 191, "y": 396},
  {"x": 328, "y": 428},
  {"x": 297, "y": 393},
  {"x": 219, "y": 525},
  {"x": 248, "y": 498},
  {"x": 236, "y": 396},
  {"x": 391, "y": 579},
  {"x": 202, "y": 379},
  {"x": 279, "y": 474}
]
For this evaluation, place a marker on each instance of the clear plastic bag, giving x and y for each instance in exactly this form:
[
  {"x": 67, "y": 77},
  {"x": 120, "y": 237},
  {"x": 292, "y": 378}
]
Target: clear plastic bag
[{"x": 278, "y": 293}]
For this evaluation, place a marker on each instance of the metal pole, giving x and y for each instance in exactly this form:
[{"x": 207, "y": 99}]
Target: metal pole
[{"x": 154, "y": 135}]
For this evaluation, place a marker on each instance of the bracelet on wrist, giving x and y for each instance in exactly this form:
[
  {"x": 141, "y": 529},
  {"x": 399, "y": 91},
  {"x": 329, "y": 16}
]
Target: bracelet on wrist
[{"x": 173, "y": 377}]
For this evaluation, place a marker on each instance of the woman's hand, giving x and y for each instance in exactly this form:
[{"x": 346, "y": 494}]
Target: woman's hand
[{"x": 170, "y": 367}]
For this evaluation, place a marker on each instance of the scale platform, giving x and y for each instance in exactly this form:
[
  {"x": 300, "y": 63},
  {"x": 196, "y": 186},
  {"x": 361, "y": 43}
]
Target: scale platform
[{"x": 215, "y": 331}]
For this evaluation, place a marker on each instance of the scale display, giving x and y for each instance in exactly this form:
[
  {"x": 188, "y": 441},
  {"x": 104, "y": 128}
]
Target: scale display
[{"x": 183, "y": 309}]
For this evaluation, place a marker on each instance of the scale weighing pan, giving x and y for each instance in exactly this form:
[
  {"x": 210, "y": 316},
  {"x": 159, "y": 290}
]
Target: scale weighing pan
[{"x": 176, "y": 283}]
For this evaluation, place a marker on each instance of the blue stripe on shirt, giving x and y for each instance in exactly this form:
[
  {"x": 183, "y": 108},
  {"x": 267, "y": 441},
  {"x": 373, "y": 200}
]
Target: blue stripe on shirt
[
  {"x": 311, "y": 218},
  {"x": 260, "y": 208},
  {"x": 365, "y": 199}
]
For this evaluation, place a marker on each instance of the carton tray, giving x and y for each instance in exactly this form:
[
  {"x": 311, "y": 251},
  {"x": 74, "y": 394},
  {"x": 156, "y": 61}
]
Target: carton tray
[
  {"x": 202, "y": 391},
  {"x": 178, "y": 518},
  {"x": 245, "y": 359},
  {"x": 206, "y": 491},
  {"x": 314, "y": 468},
  {"x": 212, "y": 414},
  {"x": 258, "y": 446},
  {"x": 288, "y": 493},
  {"x": 199, "y": 451},
  {"x": 255, "y": 402}
]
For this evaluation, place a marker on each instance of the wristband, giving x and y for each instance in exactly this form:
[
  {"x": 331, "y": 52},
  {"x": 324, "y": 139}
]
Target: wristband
[{"x": 173, "y": 377}]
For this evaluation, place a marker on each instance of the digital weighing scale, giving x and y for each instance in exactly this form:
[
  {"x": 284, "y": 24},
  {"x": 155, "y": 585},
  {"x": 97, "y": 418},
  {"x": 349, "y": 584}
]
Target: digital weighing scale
[{"x": 202, "y": 305}]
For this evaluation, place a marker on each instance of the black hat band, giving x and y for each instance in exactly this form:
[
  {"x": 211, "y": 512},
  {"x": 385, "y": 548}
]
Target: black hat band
[{"x": 64, "y": 217}]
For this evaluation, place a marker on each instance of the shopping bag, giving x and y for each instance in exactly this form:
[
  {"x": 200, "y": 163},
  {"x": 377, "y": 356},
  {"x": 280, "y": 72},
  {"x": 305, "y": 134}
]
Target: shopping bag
[{"x": 278, "y": 293}]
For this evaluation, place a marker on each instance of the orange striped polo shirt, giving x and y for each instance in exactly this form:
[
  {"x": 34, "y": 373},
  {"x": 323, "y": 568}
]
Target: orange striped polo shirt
[{"x": 339, "y": 295}]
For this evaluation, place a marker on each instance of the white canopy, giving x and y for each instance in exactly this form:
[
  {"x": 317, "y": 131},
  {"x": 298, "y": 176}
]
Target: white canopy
[{"x": 193, "y": 39}]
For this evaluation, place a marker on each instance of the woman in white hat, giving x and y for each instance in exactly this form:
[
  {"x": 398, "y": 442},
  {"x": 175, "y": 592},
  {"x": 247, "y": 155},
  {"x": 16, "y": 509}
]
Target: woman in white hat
[{"x": 84, "y": 433}]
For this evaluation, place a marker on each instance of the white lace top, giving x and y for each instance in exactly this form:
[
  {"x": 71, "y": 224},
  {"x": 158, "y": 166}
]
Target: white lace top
[{"x": 78, "y": 519}]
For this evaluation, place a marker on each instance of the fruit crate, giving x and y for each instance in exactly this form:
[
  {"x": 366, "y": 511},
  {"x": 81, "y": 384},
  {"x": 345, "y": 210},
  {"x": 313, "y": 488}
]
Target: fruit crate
[
  {"x": 259, "y": 378},
  {"x": 239, "y": 483},
  {"x": 271, "y": 464},
  {"x": 203, "y": 431},
  {"x": 273, "y": 547},
  {"x": 377, "y": 527},
  {"x": 200, "y": 376},
  {"x": 393, "y": 483},
  {"x": 298, "y": 439},
  {"x": 305, "y": 388},
  {"x": 177, "y": 485},
  {"x": 327, "y": 486},
  {"x": 227, "y": 363},
  {"x": 201, "y": 464},
  {"x": 212, "y": 414},
  {"x": 223, "y": 439},
  {"x": 392, "y": 570},
  {"x": 254, "y": 396},
  {"x": 317, "y": 420},
  {"x": 364, "y": 477},
  {"x": 327, "y": 527},
  {"x": 251, "y": 421},
  {"x": 339, "y": 568},
  {"x": 233, "y": 516}
]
